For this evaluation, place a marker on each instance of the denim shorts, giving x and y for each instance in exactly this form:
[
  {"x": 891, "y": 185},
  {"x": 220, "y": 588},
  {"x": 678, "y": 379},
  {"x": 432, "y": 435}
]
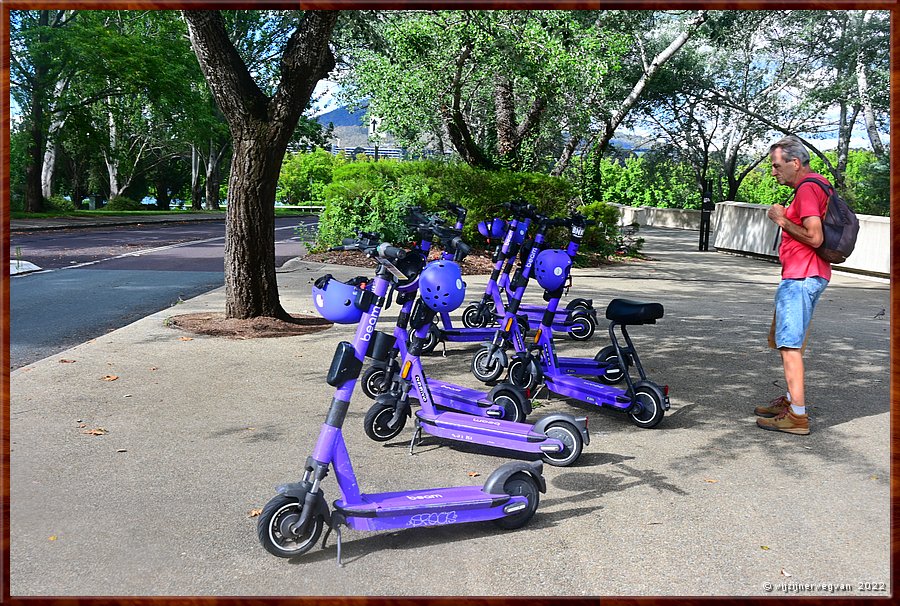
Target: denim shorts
[{"x": 795, "y": 301}]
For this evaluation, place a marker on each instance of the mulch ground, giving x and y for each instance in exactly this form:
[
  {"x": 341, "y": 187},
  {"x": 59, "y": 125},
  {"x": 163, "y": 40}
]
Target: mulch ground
[{"x": 216, "y": 325}]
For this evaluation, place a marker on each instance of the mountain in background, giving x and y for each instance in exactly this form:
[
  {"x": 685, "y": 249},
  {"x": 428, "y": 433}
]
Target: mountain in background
[{"x": 342, "y": 117}]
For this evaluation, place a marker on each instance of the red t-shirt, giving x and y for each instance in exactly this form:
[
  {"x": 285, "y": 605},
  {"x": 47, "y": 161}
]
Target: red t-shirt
[{"x": 799, "y": 260}]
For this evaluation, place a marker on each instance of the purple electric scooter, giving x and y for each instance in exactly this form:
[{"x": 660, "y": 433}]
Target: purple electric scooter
[
  {"x": 578, "y": 320},
  {"x": 447, "y": 409},
  {"x": 292, "y": 521}
]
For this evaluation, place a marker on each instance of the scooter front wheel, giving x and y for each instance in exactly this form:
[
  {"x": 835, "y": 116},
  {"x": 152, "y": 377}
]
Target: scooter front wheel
[
  {"x": 513, "y": 409},
  {"x": 486, "y": 367},
  {"x": 432, "y": 340},
  {"x": 472, "y": 319},
  {"x": 573, "y": 444},
  {"x": 583, "y": 326},
  {"x": 376, "y": 422},
  {"x": 373, "y": 382},
  {"x": 650, "y": 399},
  {"x": 614, "y": 372},
  {"x": 274, "y": 528},
  {"x": 520, "y": 376},
  {"x": 520, "y": 484}
]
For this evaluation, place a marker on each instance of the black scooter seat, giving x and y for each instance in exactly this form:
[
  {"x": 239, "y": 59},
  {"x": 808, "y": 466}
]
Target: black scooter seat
[{"x": 630, "y": 313}]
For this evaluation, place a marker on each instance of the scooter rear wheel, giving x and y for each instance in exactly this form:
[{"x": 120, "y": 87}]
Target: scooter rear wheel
[
  {"x": 376, "y": 422},
  {"x": 273, "y": 528},
  {"x": 573, "y": 444},
  {"x": 373, "y": 382},
  {"x": 520, "y": 484},
  {"x": 651, "y": 400},
  {"x": 485, "y": 367},
  {"x": 432, "y": 340},
  {"x": 583, "y": 326}
]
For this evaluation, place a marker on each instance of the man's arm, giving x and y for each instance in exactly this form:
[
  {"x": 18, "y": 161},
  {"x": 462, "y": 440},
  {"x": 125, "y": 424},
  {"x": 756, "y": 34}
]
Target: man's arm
[{"x": 809, "y": 232}]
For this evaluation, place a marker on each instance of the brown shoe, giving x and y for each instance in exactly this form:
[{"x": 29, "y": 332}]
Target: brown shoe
[
  {"x": 775, "y": 407},
  {"x": 787, "y": 422}
]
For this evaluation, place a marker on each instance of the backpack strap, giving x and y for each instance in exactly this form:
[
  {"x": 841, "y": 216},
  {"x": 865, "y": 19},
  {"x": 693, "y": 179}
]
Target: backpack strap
[{"x": 827, "y": 188}]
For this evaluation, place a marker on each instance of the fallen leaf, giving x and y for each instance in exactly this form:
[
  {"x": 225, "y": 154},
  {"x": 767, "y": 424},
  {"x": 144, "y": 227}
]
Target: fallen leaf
[
  {"x": 128, "y": 395},
  {"x": 78, "y": 420},
  {"x": 474, "y": 474},
  {"x": 64, "y": 361},
  {"x": 51, "y": 538},
  {"x": 873, "y": 477},
  {"x": 185, "y": 339},
  {"x": 82, "y": 425},
  {"x": 710, "y": 480},
  {"x": 255, "y": 513},
  {"x": 153, "y": 368},
  {"x": 764, "y": 547},
  {"x": 110, "y": 378},
  {"x": 122, "y": 450},
  {"x": 652, "y": 523},
  {"x": 786, "y": 573},
  {"x": 99, "y": 431}
]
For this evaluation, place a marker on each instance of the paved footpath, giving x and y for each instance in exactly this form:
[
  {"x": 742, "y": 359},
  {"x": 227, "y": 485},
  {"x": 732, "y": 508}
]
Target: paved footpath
[{"x": 199, "y": 430}]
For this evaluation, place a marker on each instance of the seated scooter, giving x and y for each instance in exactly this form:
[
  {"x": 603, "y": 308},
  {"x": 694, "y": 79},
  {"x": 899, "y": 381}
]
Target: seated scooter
[
  {"x": 558, "y": 437},
  {"x": 292, "y": 521},
  {"x": 644, "y": 401}
]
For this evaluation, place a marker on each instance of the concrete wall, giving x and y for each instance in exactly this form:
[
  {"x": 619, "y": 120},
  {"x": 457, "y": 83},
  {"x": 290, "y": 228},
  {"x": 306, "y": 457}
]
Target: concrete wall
[{"x": 744, "y": 228}]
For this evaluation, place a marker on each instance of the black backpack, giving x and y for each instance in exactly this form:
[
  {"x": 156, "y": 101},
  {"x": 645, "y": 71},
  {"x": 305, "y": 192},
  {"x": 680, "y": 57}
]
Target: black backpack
[{"x": 839, "y": 225}]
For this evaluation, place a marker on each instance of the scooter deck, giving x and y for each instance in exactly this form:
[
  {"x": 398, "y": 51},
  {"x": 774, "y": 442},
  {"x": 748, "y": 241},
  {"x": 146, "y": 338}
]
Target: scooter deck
[
  {"x": 468, "y": 335},
  {"x": 427, "y": 507},
  {"x": 587, "y": 391},
  {"x": 456, "y": 397},
  {"x": 580, "y": 366},
  {"x": 489, "y": 432}
]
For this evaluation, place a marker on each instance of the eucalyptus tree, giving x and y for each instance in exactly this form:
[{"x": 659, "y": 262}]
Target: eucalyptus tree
[
  {"x": 497, "y": 85},
  {"x": 262, "y": 123}
]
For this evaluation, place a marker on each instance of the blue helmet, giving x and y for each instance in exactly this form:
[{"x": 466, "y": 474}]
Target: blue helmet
[
  {"x": 336, "y": 301},
  {"x": 441, "y": 286},
  {"x": 551, "y": 268},
  {"x": 494, "y": 228}
]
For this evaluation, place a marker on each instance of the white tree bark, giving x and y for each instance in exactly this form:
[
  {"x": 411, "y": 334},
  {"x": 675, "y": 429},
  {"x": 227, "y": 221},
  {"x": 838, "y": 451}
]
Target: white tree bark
[
  {"x": 864, "y": 99},
  {"x": 57, "y": 121}
]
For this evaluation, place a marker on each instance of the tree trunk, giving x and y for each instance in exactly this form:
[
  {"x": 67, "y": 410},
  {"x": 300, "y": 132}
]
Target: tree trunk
[
  {"x": 213, "y": 179},
  {"x": 251, "y": 289},
  {"x": 34, "y": 199},
  {"x": 196, "y": 190},
  {"x": 163, "y": 201},
  {"x": 862, "y": 84},
  {"x": 261, "y": 127},
  {"x": 56, "y": 124}
]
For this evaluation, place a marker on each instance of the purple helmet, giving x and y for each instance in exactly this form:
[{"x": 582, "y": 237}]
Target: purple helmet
[
  {"x": 336, "y": 301},
  {"x": 441, "y": 286},
  {"x": 551, "y": 268},
  {"x": 495, "y": 228},
  {"x": 521, "y": 230}
]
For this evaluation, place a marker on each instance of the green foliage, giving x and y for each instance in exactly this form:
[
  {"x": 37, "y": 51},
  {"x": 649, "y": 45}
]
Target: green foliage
[
  {"x": 304, "y": 176},
  {"x": 59, "y": 204},
  {"x": 639, "y": 181},
  {"x": 123, "y": 203},
  {"x": 601, "y": 238},
  {"x": 374, "y": 196}
]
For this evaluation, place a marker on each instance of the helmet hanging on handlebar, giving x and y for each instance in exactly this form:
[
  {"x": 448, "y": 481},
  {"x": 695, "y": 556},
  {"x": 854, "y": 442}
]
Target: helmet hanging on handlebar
[
  {"x": 551, "y": 268},
  {"x": 493, "y": 228},
  {"x": 336, "y": 301},
  {"x": 441, "y": 286}
]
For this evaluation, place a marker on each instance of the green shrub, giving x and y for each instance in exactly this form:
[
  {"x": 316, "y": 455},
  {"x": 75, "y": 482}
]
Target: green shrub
[
  {"x": 59, "y": 204},
  {"x": 304, "y": 176},
  {"x": 120, "y": 203}
]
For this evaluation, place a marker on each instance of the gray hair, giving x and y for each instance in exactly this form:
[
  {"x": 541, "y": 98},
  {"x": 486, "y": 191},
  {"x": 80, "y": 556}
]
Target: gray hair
[{"x": 792, "y": 148}]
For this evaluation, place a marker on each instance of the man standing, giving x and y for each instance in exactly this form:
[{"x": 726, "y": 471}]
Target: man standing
[{"x": 804, "y": 275}]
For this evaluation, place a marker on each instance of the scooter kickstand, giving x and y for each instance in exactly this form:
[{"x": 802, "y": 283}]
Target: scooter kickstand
[
  {"x": 444, "y": 346},
  {"x": 416, "y": 435},
  {"x": 337, "y": 532}
]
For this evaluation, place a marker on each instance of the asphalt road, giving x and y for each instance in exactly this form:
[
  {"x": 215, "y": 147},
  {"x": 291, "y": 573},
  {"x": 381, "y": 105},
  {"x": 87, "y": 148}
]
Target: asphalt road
[{"x": 97, "y": 280}]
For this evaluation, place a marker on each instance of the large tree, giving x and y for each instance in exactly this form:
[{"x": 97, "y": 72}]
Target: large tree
[{"x": 261, "y": 127}]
